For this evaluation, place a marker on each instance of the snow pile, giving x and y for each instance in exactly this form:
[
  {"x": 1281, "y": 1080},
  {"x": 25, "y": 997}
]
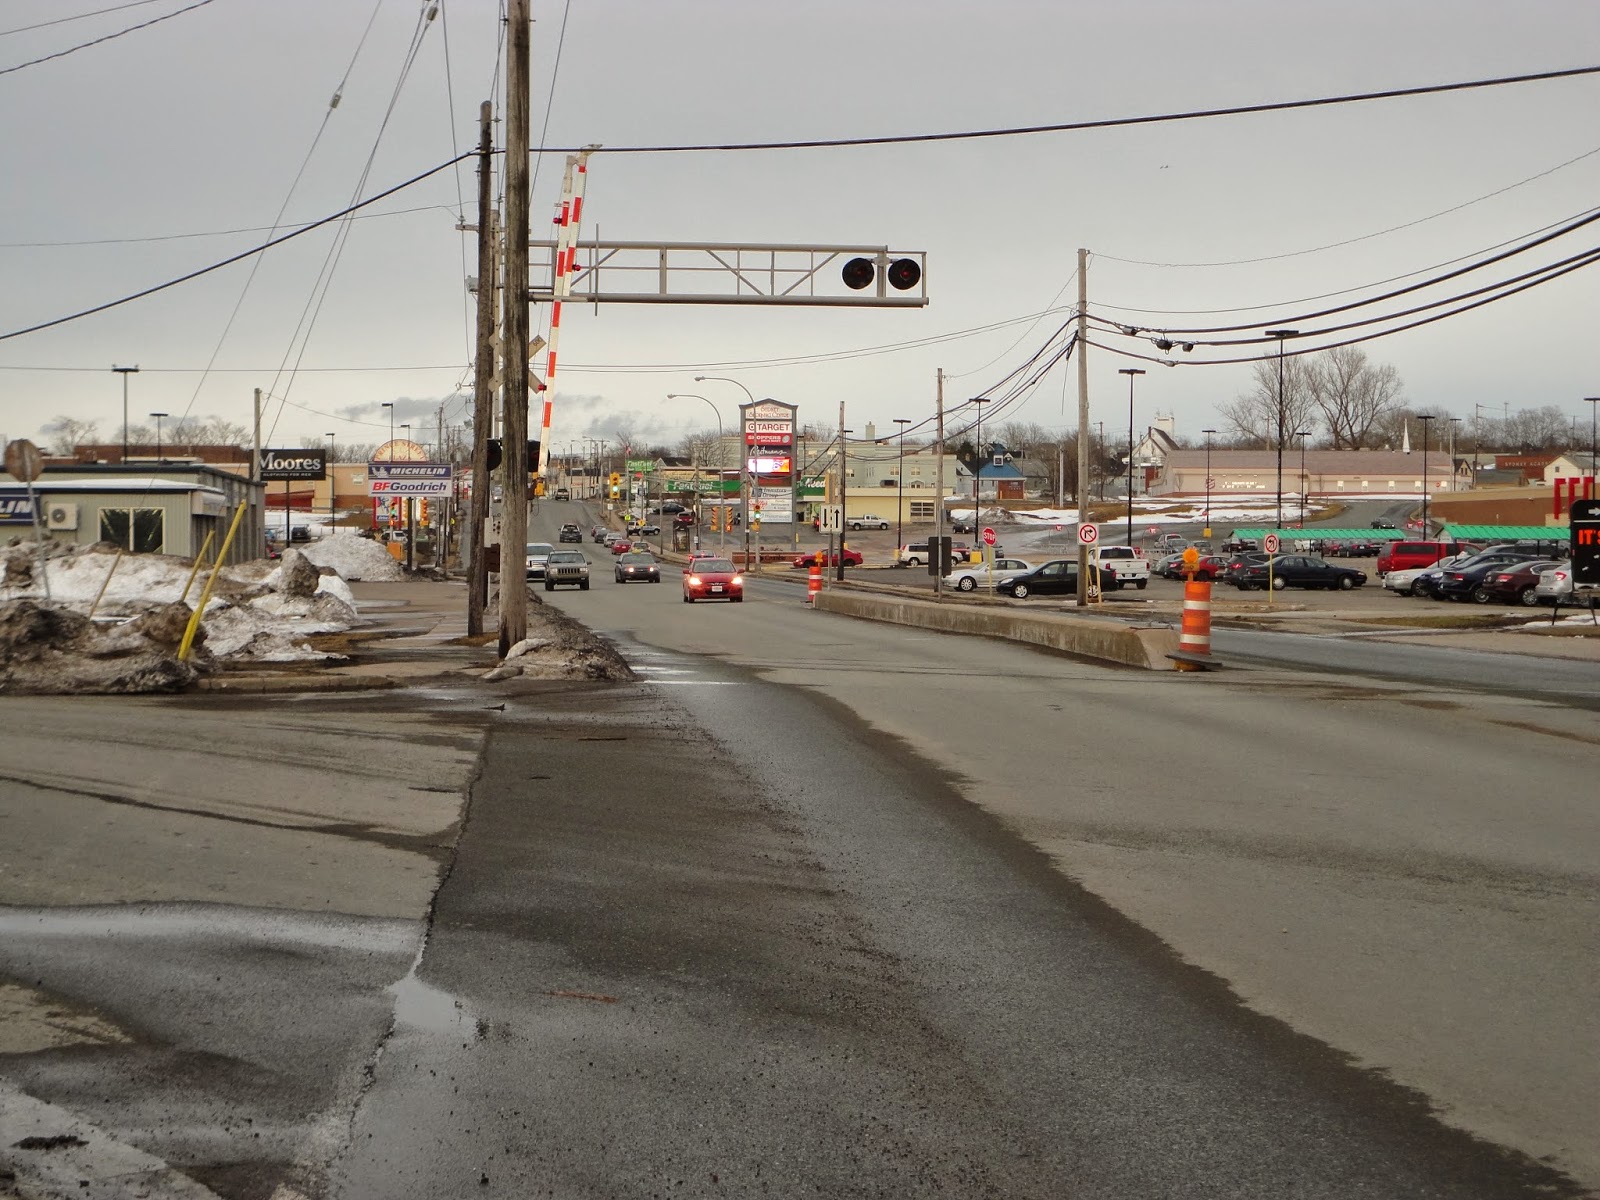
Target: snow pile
[
  {"x": 256, "y": 612},
  {"x": 354, "y": 557}
]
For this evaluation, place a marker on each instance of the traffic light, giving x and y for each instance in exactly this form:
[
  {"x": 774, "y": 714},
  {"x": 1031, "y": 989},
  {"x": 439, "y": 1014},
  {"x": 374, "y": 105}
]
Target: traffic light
[
  {"x": 496, "y": 454},
  {"x": 902, "y": 274}
]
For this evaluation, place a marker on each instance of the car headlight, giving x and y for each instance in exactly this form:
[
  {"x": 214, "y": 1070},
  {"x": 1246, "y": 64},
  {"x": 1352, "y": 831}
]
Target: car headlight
[
  {"x": 738, "y": 581},
  {"x": 694, "y": 581}
]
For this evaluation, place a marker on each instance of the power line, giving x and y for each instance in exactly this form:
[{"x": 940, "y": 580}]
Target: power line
[
  {"x": 205, "y": 233},
  {"x": 1106, "y": 123},
  {"x": 99, "y": 12},
  {"x": 108, "y": 37},
  {"x": 231, "y": 259}
]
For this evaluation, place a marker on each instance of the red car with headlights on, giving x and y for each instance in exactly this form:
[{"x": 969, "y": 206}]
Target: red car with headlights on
[{"x": 712, "y": 579}]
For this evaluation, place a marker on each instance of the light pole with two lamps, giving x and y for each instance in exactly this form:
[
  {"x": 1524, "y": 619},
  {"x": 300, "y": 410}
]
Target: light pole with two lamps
[
  {"x": 1425, "y": 418},
  {"x": 1208, "y": 433},
  {"x": 722, "y": 523},
  {"x": 125, "y": 372},
  {"x": 744, "y": 468},
  {"x": 1281, "y": 335},
  {"x": 1131, "y": 373}
]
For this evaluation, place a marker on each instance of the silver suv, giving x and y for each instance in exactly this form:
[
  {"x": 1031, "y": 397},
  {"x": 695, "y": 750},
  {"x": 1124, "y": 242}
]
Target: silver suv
[{"x": 568, "y": 567}]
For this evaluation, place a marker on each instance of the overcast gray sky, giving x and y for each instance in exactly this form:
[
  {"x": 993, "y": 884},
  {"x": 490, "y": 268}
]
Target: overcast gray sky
[{"x": 158, "y": 152}]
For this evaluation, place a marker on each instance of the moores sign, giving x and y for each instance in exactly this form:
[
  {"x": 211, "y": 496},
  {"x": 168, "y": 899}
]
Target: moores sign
[{"x": 294, "y": 464}]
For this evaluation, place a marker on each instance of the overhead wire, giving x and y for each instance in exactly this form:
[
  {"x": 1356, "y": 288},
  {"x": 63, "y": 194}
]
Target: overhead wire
[
  {"x": 83, "y": 16},
  {"x": 455, "y": 148},
  {"x": 102, "y": 40}
]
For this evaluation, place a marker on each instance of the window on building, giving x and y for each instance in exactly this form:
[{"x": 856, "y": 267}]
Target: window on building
[
  {"x": 137, "y": 530},
  {"x": 922, "y": 510}
]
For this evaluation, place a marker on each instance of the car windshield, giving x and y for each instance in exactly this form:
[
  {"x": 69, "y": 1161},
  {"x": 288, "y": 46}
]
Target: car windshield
[
  {"x": 713, "y": 566},
  {"x": 540, "y": 549},
  {"x": 567, "y": 556},
  {"x": 638, "y": 560}
]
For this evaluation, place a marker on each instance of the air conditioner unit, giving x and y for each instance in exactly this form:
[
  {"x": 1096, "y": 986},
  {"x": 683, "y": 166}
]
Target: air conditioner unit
[{"x": 61, "y": 516}]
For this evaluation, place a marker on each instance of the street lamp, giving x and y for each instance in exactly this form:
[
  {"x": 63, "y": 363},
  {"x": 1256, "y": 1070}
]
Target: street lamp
[
  {"x": 1302, "y": 434},
  {"x": 1208, "y": 433},
  {"x": 1130, "y": 372},
  {"x": 979, "y": 458},
  {"x": 1593, "y": 402},
  {"x": 744, "y": 475},
  {"x": 158, "y": 417},
  {"x": 333, "y": 484},
  {"x": 900, "y": 479},
  {"x": 1281, "y": 334},
  {"x": 125, "y": 372},
  {"x": 389, "y": 404},
  {"x": 722, "y": 523},
  {"x": 1424, "y": 418}
]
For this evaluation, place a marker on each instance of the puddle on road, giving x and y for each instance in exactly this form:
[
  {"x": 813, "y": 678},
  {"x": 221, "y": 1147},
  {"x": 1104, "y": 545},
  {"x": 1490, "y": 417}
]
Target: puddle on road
[{"x": 423, "y": 1007}]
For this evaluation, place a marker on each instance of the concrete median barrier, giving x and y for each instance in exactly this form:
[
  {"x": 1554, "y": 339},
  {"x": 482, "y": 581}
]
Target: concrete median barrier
[{"x": 1087, "y": 637}]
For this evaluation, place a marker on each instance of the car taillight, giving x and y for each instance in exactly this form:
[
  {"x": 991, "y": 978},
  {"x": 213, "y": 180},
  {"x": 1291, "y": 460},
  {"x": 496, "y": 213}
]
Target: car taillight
[{"x": 1502, "y": 579}]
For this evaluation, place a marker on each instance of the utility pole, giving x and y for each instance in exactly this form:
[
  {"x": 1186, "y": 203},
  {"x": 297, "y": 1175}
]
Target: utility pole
[
  {"x": 1083, "y": 420},
  {"x": 441, "y": 530},
  {"x": 258, "y": 515},
  {"x": 514, "y": 524},
  {"x": 938, "y": 528},
  {"x": 475, "y": 542},
  {"x": 844, "y": 502}
]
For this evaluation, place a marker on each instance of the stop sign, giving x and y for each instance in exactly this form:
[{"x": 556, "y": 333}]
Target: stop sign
[{"x": 988, "y": 536}]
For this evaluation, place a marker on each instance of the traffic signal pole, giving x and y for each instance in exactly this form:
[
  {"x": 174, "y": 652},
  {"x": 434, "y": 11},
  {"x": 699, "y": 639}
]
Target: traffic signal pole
[{"x": 1082, "y": 349}]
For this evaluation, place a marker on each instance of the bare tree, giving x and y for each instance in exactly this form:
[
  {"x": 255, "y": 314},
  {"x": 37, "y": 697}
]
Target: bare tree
[
  {"x": 1252, "y": 418},
  {"x": 703, "y": 450},
  {"x": 66, "y": 434},
  {"x": 1534, "y": 429},
  {"x": 1352, "y": 394}
]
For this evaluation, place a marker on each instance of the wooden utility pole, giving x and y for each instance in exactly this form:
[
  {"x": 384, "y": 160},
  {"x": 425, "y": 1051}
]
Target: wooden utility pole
[
  {"x": 483, "y": 372},
  {"x": 1082, "y": 349},
  {"x": 844, "y": 496},
  {"x": 514, "y": 522},
  {"x": 938, "y": 528}
]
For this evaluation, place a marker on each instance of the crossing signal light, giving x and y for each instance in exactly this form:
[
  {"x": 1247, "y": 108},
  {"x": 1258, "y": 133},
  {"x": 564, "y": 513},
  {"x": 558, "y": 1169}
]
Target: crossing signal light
[
  {"x": 497, "y": 454},
  {"x": 902, "y": 274}
]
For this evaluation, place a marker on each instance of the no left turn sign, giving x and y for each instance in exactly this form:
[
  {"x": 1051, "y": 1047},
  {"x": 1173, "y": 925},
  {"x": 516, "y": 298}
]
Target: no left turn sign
[{"x": 1270, "y": 542}]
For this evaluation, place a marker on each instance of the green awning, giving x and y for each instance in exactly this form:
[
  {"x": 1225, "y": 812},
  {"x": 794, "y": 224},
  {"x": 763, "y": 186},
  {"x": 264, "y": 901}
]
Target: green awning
[
  {"x": 1287, "y": 536},
  {"x": 1508, "y": 533}
]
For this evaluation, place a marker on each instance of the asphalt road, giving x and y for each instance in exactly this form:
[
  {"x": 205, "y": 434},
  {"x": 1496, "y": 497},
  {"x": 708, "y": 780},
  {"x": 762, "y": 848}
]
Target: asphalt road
[{"x": 819, "y": 908}]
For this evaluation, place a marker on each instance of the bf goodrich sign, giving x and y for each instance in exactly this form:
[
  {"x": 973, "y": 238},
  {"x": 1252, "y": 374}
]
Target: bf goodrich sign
[{"x": 294, "y": 464}]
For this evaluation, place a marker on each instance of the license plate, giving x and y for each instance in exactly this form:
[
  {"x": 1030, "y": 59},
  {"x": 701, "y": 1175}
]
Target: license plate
[{"x": 716, "y": 587}]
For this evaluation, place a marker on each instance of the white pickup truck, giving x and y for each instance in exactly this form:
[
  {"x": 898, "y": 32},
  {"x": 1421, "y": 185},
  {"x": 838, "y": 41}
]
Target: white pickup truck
[
  {"x": 867, "y": 521},
  {"x": 1127, "y": 563}
]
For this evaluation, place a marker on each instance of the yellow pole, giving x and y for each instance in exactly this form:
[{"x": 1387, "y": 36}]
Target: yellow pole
[
  {"x": 205, "y": 595},
  {"x": 195, "y": 570},
  {"x": 100, "y": 595}
]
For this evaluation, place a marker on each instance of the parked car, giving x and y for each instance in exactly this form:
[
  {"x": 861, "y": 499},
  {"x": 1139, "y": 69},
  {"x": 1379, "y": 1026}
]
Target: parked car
[
  {"x": 1406, "y": 582},
  {"x": 570, "y": 533},
  {"x": 1555, "y": 585},
  {"x": 852, "y": 558},
  {"x": 712, "y": 579},
  {"x": 637, "y": 567},
  {"x": 1298, "y": 570},
  {"x": 1402, "y": 555},
  {"x": 1235, "y": 545},
  {"x": 1171, "y": 543},
  {"x": 1513, "y": 583},
  {"x": 1465, "y": 581},
  {"x": 1127, "y": 563},
  {"x": 1430, "y": 582},
  {"x": 1058, "y": 577},
  {"x": 969, "y": 579},
  {"x": 536, "y": 554},
  {"x": 1210, "y": 566},
  {"x": 566, "y": 567},
  {"x": 1169, "y": 566},
  {"x": 1235, "y": 563},
  {"x": 867, "y": 521}
]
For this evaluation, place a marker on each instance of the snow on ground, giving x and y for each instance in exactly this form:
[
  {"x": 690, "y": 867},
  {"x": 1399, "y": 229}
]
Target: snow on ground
[
  {"x": 1184, "y": 510},
  {"x": 354, "y": 557},
  {"x": 257, "y": 610}
]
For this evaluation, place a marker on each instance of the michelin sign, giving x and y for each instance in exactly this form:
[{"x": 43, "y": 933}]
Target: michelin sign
[
  {"x": 408, "y": 479},
  {"x": 16, "y": 510}
]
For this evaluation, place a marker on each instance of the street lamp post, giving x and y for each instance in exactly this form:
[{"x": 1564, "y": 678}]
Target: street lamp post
[
  {"x": 158, "y": 416},
  {"x": 744, "y": 472},
  {"x": 125, "y": 372},
  {"x": 900, "y": 480},
  {"x": 1424, "y": 418},
  {"x": 978, "y": 459},
  {"x": 1593, "y": 403},
  {"x": 1208, "y": 433},
  {"x": 333, "y": 485},
  {"x": 1281, "y": 335},
  {"x": 1131, "y": 373},
  {"x": 411, "y": 510},
  {"x": 1302, "y": 434},
  {"x": 722, "y": 523}
]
